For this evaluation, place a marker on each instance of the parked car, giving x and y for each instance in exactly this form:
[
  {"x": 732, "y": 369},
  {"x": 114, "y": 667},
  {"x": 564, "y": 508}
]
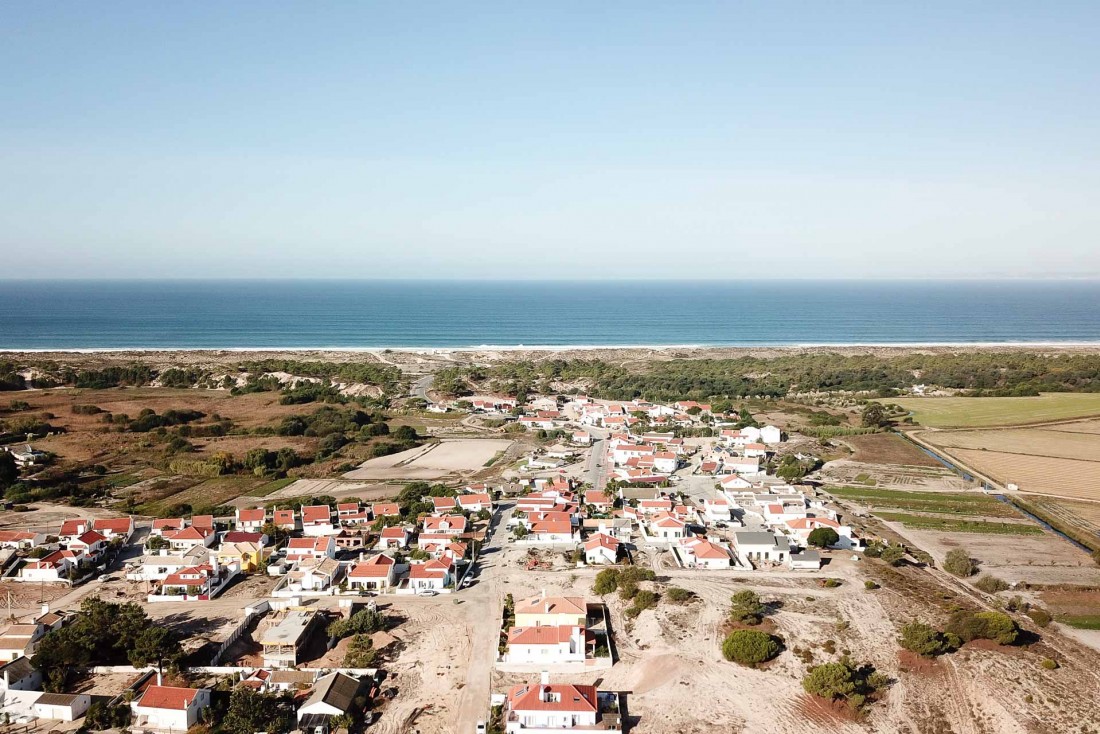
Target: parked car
[
  {"x": 480, "y": 728},
  {"x": 426, "y": 592}
]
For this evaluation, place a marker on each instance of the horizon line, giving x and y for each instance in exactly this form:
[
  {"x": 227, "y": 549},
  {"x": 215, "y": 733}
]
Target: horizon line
[{"x": 346, "y": 279}]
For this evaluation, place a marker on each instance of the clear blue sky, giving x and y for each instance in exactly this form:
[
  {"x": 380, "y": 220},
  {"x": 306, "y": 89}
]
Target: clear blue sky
[{"x": 568, "y": 139}]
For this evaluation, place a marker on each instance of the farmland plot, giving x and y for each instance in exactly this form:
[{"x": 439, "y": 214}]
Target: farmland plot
[
  {"x": 1071, "y": 478},
  {"x": 1029, "y": 441}
]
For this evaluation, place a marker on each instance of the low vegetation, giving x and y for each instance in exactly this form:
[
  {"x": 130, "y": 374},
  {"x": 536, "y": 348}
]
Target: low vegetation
[
  {"x": 958, "y": 562},
  {"x": 856, "y": 685},
  {"x": 749, "y": 647}
]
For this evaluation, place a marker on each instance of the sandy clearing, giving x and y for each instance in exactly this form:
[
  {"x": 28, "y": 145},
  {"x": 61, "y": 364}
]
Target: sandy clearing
[
  {"x": 312, "y": 488},
  {"x": 434, "y": 461}
]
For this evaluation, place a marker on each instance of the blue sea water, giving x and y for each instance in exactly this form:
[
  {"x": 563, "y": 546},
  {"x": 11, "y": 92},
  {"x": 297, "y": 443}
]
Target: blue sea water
[{"x": 366, "y": 314}]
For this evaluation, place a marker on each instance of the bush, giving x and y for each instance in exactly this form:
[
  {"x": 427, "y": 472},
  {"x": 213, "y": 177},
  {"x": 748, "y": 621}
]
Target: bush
[
  {"x": 363, "y": 621},
  {"x": 831, "y": 583},
  {"x": 995, "y": 626},
  {"x": 746, "y": 607},
  {"x": 844, "y": 681},
  {"x": 926, "y": 640},
  {"x": 607, "y": 581},
  {"x": 1039, "y": 616},
  {"x": 678, "y": 596},
  {"x": 991, "y": 584},
  {"x": 958, "y": 563},
  {"x": 749, "y": 647},
  {"x": 1049, "y": 664},
  {"x": 870, "y": 585}
]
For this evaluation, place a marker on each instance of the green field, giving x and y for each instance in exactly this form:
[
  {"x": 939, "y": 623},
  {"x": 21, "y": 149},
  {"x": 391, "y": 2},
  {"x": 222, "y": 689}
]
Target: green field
[
  {"x": 274, "y": 486},
  {"x": 984, "y": 412},
  {"x": 1080, "y": 621},
  {"x": 946, "y": 503},
  {"x": 207, "y": 493},
  {"x": 953, "y": 525}
]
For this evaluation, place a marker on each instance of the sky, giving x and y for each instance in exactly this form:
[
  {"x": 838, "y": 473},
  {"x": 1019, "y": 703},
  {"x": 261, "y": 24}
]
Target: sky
[{"x": 557, "y": 140}]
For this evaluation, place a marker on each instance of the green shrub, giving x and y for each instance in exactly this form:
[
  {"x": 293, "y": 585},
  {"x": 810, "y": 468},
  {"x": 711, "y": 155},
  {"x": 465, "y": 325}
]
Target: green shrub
[
  {"x": 678, "y": 596},
  {"x": 1049, "y": 664},
  {"x": 996, "y": 626},
  {"x": 1039, "y": 616},
  {"x": 831, "y": 583},
  {"x": 870, "y": 585},
  {"x": 926, "y": 640},
  {"x": 990, "y": 584},
  {"x": 607, "y": 581},
  {"x": 958, "y": 563},
  {"x": 749, "y": 647}
]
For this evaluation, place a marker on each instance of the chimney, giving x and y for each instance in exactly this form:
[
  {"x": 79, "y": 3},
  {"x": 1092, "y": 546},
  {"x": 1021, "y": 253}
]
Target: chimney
[
  {"x": 45, "y": 610},
  {"x": 160, "y": 678},
  {"x": 544, "y": 679}
]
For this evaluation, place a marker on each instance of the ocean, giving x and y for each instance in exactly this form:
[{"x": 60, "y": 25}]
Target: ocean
[{"x": 226, "y": 314}]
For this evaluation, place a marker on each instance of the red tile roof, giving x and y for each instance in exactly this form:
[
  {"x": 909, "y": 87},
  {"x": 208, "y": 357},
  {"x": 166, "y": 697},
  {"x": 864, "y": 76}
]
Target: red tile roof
[
  {"x": 558, "y": 697},
  {"x": 165, "y": 697}
]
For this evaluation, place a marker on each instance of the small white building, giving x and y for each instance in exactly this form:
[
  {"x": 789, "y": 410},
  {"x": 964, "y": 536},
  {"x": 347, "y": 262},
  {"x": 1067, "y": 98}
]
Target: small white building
[
  {"x": 601, "y": 548},
  {"x": 755, "y": 547},
  {"x": 62, "y": 706},
  {"x": 373, "y": 574}
]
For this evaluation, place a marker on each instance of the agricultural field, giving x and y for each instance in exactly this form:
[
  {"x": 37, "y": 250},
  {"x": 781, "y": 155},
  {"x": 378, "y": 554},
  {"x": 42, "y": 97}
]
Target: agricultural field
[
  {"x": 971, "y": 504},
  {"x": 1048, "y": 441},
  {"x": 887, "y": 448},
  {"x": 1072, "y": 478},
  {"x": 434, "y": 461},
  {"x": 958, "y": 525},
  {"x": 985, "y": 412}
]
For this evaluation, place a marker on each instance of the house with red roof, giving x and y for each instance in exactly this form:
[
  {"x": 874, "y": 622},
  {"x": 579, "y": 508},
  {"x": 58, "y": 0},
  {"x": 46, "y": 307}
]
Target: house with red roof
[
  {"x": 546, "y": 645},
  {"x": 90, "y": 545},
  {"x": 194, "y": 583},
  {"x": 21, "y": 539},
  {"x": 666, "y": 527},
  {"x": 73, "y": 529},
  {"x": 601, "y": 548},
  {"x": 444, "y": 504},
  {"x": 162, "y": 525},
  {"x": 352, "y": 514},
  {"x": 286, "y": 520},
  {"x": 475, "y": 502},
  {"x": 116, "y": 527},
  {"x": 394, "y": 537},
  {"x": 542, "y": 707},
  {"x": 374, "y": 574},
  {"x": 445, "y": 525},
  {"x": 203, "y": 521},
  {"x": 54, "y": 567},
  {"x": 251, "y": 520},
  {"x": 435, "y": 575},
  {"x": 703, "y": 553},
  {"x": 599, "y": 500},
  {"x": 317, "y": 520},
  {"x": 298, "y": 549},
  {"x": 189, "y": 537},
  {"x": 168, "y": 709},
  {"x": 385, "y": 509}
]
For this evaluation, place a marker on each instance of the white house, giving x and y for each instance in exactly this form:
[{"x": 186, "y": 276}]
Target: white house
[
  {"x": 19, "y": 675},
  {"x": 702, "y": 553},
  {"x": 601, "y": 548},
  {"x": 717, "y": 509},
  {"x": 809, "y": 560},
  {"x": 117, "y": 527},
  {"x": 546, "y": 645},
  {"x": 543, "y": 707},
  {"x": 251, "y": 520},
  {"x": 666, "y": 527},
  {"x": 393, "y": 537},
  {"x": 771, "y": 435},
  {"x": 319, "y": 547},
  {"x": 21, "y": 539},
  {"x": 314, "y": 574},
  {"x": 446, "y": 525},
  {"x": 190, "y": 537},
  {"x": 475, "y": 502},
  {"x": 754, "y": 547},
  {"x": 373, "y": 574},
  {"x": 434, "y": 575},
  {"x": 168, "y": 709},
  {"x": 317, "y": 520},
  {"x": 54, "y": 567}
]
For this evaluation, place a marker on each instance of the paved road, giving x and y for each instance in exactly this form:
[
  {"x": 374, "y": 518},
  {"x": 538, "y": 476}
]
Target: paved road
[
  {"x": 483, "y": 603},
  {"x": 421, "y": 387},
  {"x": 596, "y": 469}
]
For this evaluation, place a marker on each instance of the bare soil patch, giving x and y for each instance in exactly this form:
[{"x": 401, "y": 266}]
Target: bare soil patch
[{"x": 888, "y": 448}]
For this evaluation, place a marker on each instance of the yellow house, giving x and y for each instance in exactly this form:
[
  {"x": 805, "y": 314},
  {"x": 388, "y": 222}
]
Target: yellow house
[
  {"x": 551, "y": 611},
  {"x": 249, "y": 555}
]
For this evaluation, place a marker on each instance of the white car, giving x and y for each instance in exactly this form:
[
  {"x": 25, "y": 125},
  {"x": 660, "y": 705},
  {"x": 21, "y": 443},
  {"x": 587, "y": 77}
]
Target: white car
[
  {"x": 426, "y": 592},
  {"x": 480, "y": 728}
]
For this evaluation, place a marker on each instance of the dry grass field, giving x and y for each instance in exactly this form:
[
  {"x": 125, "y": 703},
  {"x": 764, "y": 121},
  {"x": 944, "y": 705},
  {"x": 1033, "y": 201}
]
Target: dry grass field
[
  {"x": 984, "y": 412},
  {"x": 1071, "y": 478},
  {"x": 887, "y": 448},
  {"x": 1048, "y": 441},
  {"x": 434, "y": 461}
]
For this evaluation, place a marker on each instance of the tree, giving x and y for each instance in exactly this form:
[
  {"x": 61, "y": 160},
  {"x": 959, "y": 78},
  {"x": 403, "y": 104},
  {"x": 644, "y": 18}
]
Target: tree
[
  {"x": 405, "y": 433},
  {"x": 823, "y": 537},
  {"x": 746, "y": 607},
  {"x": 749, "y": 647},
  {"x": 153, "y": 645},
  {"x": 363, "y": 621},
  {"x": 957, "y": 562},
  {"x": 157, "y": 542},
  {"x": 361, "y": 653},
  {"x": 9, "y": 471},
  {"x": 874, "y": 415},
  {"x": 251, "y": 711},
  {"x": 893, "y": 554},
  {"x": 926, "y": 640}
]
